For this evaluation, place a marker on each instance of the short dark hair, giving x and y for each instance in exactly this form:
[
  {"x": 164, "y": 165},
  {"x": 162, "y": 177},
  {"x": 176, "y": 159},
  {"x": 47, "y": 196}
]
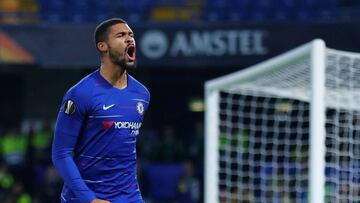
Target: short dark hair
[{"x": 102, "y": 30}]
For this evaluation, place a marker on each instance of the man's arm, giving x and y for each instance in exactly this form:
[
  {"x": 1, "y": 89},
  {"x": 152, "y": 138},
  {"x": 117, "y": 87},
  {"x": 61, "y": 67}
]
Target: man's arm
[{"x": 67, "y": 130}]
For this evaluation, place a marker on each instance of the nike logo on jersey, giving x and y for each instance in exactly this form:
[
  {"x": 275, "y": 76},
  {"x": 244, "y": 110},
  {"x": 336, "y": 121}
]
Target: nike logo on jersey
[{"x": 107, "y": 107}]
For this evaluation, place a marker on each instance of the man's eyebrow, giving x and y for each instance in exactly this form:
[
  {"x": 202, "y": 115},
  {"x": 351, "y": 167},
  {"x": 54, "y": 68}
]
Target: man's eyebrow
[{"x": 124, "y": 32}]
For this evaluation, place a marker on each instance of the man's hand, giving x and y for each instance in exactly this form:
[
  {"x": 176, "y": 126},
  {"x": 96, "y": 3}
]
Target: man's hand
[{"x": 99, "y": 201}]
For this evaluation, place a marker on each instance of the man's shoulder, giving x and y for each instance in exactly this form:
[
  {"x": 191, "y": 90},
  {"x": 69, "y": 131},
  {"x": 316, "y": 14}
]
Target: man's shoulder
[
  {"x": 83, "y": 87},
  {"x": 139, "y": 86}
]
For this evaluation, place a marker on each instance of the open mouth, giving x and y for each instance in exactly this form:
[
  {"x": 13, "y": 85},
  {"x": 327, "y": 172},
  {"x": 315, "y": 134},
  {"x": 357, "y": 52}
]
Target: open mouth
[{"x": 130, "y": 52}]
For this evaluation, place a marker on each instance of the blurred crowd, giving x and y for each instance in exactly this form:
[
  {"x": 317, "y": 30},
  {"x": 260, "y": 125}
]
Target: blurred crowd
[
  {"x": 170, "y": 165},
  {"x": 26, "y": 172},
  {"x": 84, "y": 11}
]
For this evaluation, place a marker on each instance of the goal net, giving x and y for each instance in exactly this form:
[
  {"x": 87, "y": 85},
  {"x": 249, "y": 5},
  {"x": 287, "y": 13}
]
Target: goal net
[{"x": 285, "y": 130}]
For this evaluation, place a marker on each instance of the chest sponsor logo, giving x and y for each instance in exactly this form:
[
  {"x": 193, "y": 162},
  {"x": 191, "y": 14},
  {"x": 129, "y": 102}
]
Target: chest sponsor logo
[
  {"x": 107, "y": 124},
  {"x": 127, "y": 125},
  {"x": 133, "y": 126}
]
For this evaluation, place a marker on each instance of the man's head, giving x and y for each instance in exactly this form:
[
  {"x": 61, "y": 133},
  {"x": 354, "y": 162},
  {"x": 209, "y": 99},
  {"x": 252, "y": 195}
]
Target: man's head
[{"x": 115, "y": 39}]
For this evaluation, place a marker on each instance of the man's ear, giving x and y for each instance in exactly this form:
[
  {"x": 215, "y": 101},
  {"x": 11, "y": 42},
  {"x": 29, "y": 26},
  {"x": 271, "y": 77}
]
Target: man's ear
[{"x": 102, "y": 46}]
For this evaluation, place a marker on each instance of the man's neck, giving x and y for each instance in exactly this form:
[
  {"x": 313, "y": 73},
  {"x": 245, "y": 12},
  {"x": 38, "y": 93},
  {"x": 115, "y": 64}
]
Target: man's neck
[{"x": 115, "y": 75}]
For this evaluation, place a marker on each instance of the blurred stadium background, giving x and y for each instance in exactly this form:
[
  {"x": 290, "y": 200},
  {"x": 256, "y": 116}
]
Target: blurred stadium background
[{"x": 46, "y": 46}]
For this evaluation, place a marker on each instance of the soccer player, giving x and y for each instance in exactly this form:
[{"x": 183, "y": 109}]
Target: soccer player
[{"x": 98, "y": 122}]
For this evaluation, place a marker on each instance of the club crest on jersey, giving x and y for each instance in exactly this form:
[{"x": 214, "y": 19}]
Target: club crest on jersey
[
  {"x": 140, "y": 108},
  {"x": 69, "y": 107}
]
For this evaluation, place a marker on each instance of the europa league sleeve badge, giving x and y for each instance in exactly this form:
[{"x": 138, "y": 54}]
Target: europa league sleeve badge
[{"x": 69, "y": 107}]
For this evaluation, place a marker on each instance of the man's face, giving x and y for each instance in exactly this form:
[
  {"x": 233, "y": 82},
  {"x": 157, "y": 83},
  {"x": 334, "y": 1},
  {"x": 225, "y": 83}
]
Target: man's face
[{"x": 121, "y": 46}]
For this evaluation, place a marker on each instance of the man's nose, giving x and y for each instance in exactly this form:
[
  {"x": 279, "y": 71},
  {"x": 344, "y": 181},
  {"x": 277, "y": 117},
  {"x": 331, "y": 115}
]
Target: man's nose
[{"x": 129, "y": 39}]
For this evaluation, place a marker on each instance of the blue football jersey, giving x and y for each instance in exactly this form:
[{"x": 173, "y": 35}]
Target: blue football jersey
[{"x": 94, "y": 147}]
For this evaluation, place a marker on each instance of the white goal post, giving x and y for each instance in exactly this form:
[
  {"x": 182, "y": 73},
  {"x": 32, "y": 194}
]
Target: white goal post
[{"x": 285, "y": 130}]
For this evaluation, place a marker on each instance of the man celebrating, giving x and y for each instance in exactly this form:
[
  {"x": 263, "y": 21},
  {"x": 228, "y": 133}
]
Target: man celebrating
[{"x": 94, "y": 147}]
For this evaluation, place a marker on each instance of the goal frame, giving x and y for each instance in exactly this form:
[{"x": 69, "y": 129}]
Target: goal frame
[{"x": 316, "y": 51}]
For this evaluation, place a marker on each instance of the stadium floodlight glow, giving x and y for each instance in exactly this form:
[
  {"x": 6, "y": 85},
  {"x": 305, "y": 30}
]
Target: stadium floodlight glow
[{"x": 286, "y": 129}]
